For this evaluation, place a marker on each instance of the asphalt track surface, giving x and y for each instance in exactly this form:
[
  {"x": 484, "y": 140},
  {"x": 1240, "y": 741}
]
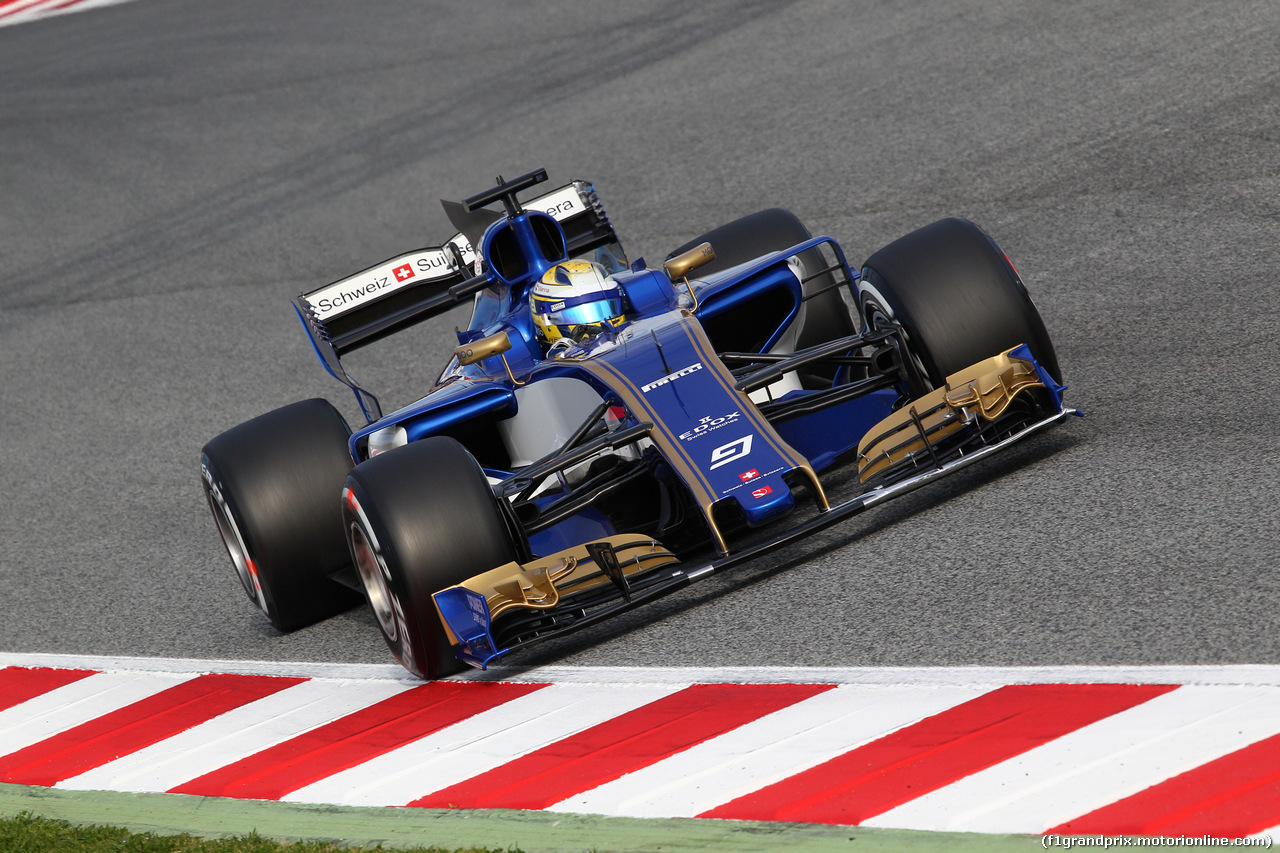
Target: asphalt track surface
[{"x": 172, "y": 172}]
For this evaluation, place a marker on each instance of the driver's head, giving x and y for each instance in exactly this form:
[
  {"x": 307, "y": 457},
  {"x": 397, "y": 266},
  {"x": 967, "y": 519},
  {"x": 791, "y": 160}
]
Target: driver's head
[{"x": 574, "y": 299}]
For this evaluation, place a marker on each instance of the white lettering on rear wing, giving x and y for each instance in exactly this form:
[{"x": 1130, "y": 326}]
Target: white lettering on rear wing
[
  {"x": 423, "y": 265},
  {"x": 376, "y": 282},
  {"x": 559, "y": 204}
]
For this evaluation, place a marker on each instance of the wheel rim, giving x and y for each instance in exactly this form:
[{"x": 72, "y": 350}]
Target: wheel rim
[
  {"x": 233, "y": 541},
  {"x": 879, "y": 316},
  {"x": 374, "y": 578}
]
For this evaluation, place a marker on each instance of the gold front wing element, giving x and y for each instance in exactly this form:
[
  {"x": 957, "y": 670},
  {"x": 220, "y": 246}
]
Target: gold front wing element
[
  {"x": 983, "y": 390},
  {"x": 538, "y": 585}
]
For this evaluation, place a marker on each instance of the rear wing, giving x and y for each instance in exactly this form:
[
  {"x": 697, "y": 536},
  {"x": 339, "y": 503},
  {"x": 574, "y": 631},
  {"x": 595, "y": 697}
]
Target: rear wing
[{"x": 417, "y": 285}]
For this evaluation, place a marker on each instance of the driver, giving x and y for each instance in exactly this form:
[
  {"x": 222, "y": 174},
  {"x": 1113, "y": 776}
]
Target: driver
[{"x": 573, "y": 302}]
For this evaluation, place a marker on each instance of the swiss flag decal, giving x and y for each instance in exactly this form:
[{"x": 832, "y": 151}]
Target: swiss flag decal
[{"x": 404, "y": 273}]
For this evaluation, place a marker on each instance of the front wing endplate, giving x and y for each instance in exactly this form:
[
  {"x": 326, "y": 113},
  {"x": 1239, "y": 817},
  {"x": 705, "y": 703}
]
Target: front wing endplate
[
  {"x": 982, "y": 391},
  {"x": 467, "y": 610}
]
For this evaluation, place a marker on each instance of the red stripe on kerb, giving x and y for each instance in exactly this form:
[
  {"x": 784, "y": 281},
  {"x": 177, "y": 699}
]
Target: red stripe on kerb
[
  {"x": 135, "y": 726},
  {"x": 936, "y": 751},
  {"x": 623, "y": 745},
  {"x": 1230, "y": 797},
  {"x": 18, "y": 684},
  {"x": 353, "y": 739},
  {"x": 4, "y": 13}
]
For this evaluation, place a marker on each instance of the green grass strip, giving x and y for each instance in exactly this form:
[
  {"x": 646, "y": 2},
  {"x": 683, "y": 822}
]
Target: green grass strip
[
  {"x": 28, "y": 833},
  {"x": 464, "y": 829}
]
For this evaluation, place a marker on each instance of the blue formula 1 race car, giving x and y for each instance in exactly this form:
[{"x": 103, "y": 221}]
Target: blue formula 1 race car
[{"x": 606, "y": 433}]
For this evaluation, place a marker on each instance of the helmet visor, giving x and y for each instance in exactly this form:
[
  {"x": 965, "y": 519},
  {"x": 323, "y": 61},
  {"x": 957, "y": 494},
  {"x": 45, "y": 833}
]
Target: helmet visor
[{"x": 590, "y": 309}]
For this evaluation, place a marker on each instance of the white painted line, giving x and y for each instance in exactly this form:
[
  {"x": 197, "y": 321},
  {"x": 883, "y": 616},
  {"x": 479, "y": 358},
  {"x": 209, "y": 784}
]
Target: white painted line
[
  {"x": 234, "y": 736},
  {"x": 1098, "y": 764},
  {"x": 479, "y": 744},
  {"x": 765, "y": 751},
  {"x": 989, "y": 677},
  {"x": 77, "y": 703},
  {"x": 960, "y": 676},
  {"x": 288, "y": 669}
]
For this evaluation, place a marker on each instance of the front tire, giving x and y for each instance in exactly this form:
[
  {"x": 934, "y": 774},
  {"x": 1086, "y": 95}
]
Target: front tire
[
  {"x": 956, "y": 296},
  {"x": 273, "y": 485},
  {"x": 419, "y": 519}
]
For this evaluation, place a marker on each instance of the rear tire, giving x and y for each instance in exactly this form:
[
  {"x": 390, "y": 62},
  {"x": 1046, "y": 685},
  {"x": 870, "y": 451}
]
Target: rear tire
[
  {"x": 957, "y": 297},
  {"x": 419, "y": 519},
  {"x": 826, "y": 317},
  {"x": 274, "y": 485}
]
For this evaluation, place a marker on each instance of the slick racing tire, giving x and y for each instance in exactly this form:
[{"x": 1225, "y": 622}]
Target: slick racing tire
[
  {"x": 274, "y": 485},
  {"x": 956, "y": 296},
  {"x": 825, "y": 318},
  {"x": 419, "y": 519}
]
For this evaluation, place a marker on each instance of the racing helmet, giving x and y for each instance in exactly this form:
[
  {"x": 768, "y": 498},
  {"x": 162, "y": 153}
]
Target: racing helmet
[{"x": 574, "y": 299}]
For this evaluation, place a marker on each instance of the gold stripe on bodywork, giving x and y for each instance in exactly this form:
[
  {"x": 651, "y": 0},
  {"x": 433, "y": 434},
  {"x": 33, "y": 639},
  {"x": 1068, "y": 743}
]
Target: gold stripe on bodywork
[
  {"x": 702, "y": 345},
  {"x": 664, "y": 438}
]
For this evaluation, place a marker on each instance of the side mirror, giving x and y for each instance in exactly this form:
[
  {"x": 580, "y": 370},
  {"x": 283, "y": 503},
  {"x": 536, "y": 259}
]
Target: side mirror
[
  {"x": 681, "y": 265},
  {"x": 483, "y": 348},
  {"x": 486, "y": 348}
]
